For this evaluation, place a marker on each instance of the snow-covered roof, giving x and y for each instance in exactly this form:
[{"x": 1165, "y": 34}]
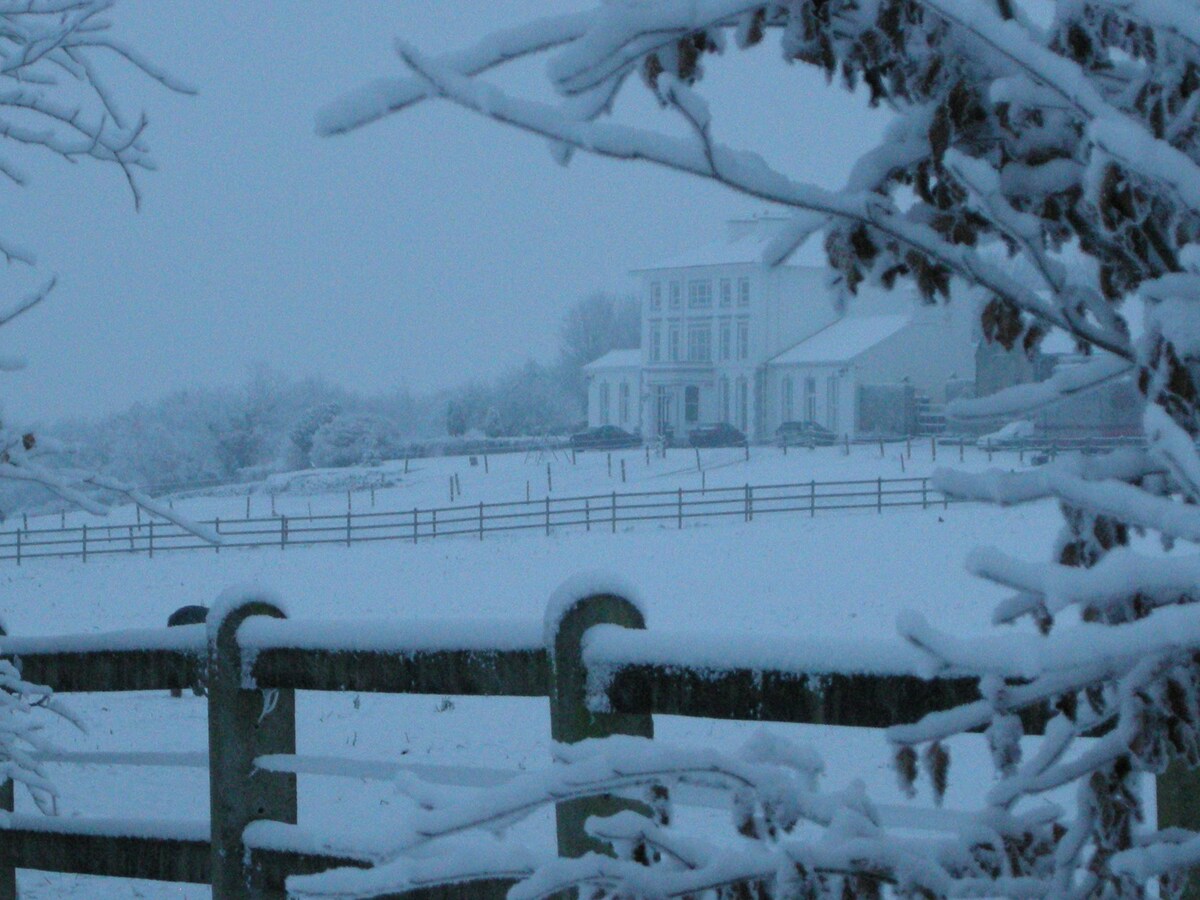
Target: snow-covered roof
[
  {"x": 745, "y": 245},
  {"x": 842, "y": 341},
  {"x": 617, "y": 359}
]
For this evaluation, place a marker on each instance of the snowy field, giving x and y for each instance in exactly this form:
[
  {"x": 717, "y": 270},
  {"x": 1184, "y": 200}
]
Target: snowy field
[
  {"x": 838, "y": 574},
  {"x": 509, "y": 476}
]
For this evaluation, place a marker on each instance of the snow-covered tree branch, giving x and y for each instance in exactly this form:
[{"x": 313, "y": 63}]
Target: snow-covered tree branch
[{"x": 1013, "y": 136}]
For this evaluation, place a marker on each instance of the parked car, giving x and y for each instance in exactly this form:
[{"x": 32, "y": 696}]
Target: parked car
[
  {"x": 716, "y": 434},
  {"x": 604, "y": 437},
  {"x": 805, "y": 434}
]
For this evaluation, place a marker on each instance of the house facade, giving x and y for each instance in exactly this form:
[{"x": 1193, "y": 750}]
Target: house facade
[{"x": 726, "y": 338}]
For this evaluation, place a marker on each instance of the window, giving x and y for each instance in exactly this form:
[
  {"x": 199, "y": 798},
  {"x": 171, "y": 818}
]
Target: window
[
  {"x": 743, "y": 292},
  {"x": 623, "y": 393},
  {"x": 810, "y": 399},
  {"x": 726, "y": 293},
  {"x": 675, "y": 295},
  {"x": 604, "y": 403},
  {"x": 831, "y": 402},
  {"x": 655, "y": 342},
  {"x": 691, "y": 403},
  {"x": 724, "y": 399},
  {"x": 726, "y": 338},
  {"x": 673, "y": 341},
  {"x": 655, "y": 295},
  {"x": 785, "y": 412},
  {"x": 699, "y": 343},
  {"x": 700, "y": 294},
  {"x": 743, "y": 403},
  {"x": 743, "y": 334}
]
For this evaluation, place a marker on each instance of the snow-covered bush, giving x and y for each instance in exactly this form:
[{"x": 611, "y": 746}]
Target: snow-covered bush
[
  {"x": 1045, "y": 139},
  {"x": 353, "y": 438}
]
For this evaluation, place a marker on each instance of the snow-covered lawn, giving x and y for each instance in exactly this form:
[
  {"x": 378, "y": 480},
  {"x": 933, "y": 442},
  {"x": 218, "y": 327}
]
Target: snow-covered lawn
[
  {"x": 834, "y": 575},
  {"x": 509, "y": 476}
]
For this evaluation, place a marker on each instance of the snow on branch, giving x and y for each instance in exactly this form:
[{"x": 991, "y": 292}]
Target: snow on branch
[
  {"x": 1066, "y": 382},
  {"x": 747, "y": 173}
]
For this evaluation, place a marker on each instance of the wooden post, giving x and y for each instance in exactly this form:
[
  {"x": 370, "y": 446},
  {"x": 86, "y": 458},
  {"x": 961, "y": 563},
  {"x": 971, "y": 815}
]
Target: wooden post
[
  {"x": 924, "y": 493},
  {"x": 8, "y": 874},
  {"x": 348, "y": 527},
  {"x": 217, "y": 529},
  {"x": 481, "y": 520},
  {"x": 547, "y": 516},
  {"x": 282, "y": 532},
  {"x": 527, "y": 490},
  {"x": 647, "y": 454},
  {"x": 83, "y": 541},
  {"x": 879, "y": 495},
  {"x": 933, "y": 446},
  {"x": 243, "y": 724},
  {"x": 485, "y": 464},
  {"x": 614, "y": 512},
  {"x": 247, "y": 506},
  {"x": 609, "y": 455},
  {"x": 812, "y": 498},
  {"x": 587, "y": 514},
  {"x": 679, "y": 506},
  {"x": 570, "y": 719},
  {"x": 406, "y": 465},
  {"x": 150, "y": 541},
  {"x": 549, "y": 480},
  {"x": 749, "y": 503},
  {"x": 433, "y": 521},
  {"x": 415, "y": 524},
  {"x": 18, "y": 563},
  {"x": 699, "y": 468},
  {"x": 622, "y": 471},
  {"x": 1178, "y": 792},
  {"x": 881, "y": 448}
]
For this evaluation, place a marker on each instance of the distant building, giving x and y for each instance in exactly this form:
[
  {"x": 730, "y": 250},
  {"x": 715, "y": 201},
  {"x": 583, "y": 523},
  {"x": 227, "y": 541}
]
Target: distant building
[{"x": 726, "y": 338}]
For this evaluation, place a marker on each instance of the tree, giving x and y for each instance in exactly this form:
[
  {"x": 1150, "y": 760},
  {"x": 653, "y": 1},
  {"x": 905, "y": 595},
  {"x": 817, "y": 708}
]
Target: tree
[
  {"x": 592, "y": 327},
  {"x": 349, "y": 439},
  {"x": 1079, "y": 136}
]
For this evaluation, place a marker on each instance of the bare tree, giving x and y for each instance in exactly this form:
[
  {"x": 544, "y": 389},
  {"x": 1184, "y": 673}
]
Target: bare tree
[
  {"x": 1078, "y": 136},
  {"x": 54, "y": 99}
]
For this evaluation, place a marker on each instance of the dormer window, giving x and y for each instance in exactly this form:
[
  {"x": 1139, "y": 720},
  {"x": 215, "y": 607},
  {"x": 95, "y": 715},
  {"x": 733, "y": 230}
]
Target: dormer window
[
  {"x": 700, "y": 294},
  {"x": 676, "y": 295},
  {"x": 743, "y": 292},
  {"x": 726, "y": 293}
]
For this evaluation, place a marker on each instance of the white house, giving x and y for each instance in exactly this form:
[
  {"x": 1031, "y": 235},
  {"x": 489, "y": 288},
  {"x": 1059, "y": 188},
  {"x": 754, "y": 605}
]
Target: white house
[
  {"x": 615, "y": 390},
  {"x": 727, "y": 338}
]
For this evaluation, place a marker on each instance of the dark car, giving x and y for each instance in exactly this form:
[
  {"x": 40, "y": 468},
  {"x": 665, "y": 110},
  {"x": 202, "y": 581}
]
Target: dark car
[
  {"x": 604, "y": 437},
  {"x": 716, "y": 434},
  {"x": 804, "y": 434}
]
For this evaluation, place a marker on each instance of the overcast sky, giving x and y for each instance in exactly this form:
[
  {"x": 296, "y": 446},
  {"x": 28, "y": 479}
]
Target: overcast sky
[{"x": 420, "y": 251}]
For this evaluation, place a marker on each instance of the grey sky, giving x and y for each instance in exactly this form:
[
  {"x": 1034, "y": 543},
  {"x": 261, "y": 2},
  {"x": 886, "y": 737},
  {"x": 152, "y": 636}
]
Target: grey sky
[{"x": 421, "y": 251}]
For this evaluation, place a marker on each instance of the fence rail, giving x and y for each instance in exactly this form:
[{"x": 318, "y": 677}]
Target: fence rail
[
  {"x": 589, "y": 512},
  {"x": 253, "y": 660}
]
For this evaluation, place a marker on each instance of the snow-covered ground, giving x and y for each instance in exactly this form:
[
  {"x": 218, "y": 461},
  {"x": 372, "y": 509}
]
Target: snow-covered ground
[
  {"x": 508, "y": 477},
  {"x": 835, "y": 575}
]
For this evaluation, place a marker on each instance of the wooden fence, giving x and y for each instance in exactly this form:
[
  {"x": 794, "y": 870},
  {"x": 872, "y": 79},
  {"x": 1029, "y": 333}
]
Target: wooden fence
[
  {"x": 599, "y": 512},
  {"x": 254, "y": 660}
]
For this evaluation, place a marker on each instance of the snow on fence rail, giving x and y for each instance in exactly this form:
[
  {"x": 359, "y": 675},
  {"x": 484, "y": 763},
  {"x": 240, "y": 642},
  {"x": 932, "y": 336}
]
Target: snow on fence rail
[
  {"x": 592, "y": 658},
  {"x": 601, "y": 512}
]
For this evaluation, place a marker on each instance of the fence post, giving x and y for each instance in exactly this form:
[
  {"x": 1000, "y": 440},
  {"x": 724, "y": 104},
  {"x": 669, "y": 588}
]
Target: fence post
[
  {"x": 481, "y": 520},
  {"x": 84, "y": 541},
  {"x": 8, "y": 874},
  {"x": 570, "y": 719},
  {"x": 18, "y": 557},
  {"x": 150, "y": 540},
  {"x": 614, "y": 512},
  {"x": 415, "y": 524},
  {"x": 243, "y": 724},
  {"x": 282, "y": 532},
  {"x": 749, "y": 503},
  {"x": 348, "y": 528},
  {"x": 547, "y": 516},
  {"x": 924, "y": 493},
  {"x": 679, "y": 506},
  {"x": 879, "y": 495},
  {"x": 587, "y": 513},
  {"x": 217, "y": 529},
  {"x": 812, "y": 498}
]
